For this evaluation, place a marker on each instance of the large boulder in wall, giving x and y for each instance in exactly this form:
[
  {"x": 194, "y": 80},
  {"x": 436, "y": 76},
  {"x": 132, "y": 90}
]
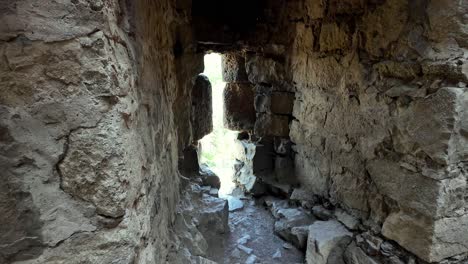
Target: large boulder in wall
[
  {"x": 239, "y": 111},
  {"x": 202, "y": 108},
  {"x": 234, "y": 68}
]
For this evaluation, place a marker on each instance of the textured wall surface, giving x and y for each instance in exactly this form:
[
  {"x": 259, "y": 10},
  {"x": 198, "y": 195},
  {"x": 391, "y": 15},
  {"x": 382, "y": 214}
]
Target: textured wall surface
[
  {"x": 379, "y": 118},
  {"x": 380, "y": 105},
  {"x": 88, "y": 139},
  {"x": 380, "y": 112}
]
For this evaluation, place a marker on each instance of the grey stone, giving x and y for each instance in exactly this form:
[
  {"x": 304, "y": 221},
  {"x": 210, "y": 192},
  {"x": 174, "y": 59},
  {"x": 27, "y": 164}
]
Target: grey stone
[
  {"x": 355, "y": 255},
  {"x": 234, "y": 203},
  {"x": 243, "y": 240},
  {"x": 299, "y": 236},
  {"x": 346, "y": 219},
  {"x": 236, "y": 253},
  {"x": 428, "y": 124},
  {"x": 289, "y": 219},
  {"x": 202, "y": 260},
  {"x": 251, "y": 259},
  {"x": 214, "y": 192},
  {"x": 326, "y": 242},
  {"x": 245, "y": 249},
  {"x": 213, "y": 215},
  {"x": 322, "y": 213},
  {"x": 277, "y": 254},
  {"x": 373, "y": 243},
  {"x": 406, "y": 228},
  {"x": 287, "y": 246}
]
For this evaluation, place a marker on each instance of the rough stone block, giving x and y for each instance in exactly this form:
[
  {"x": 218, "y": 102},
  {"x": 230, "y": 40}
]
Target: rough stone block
[
  {"x": 431, "y": 240},
  {"x": 239, "y": 109},
  {"x": 346, "y": 219},
  {"x": 326, "y": 242},
  {"x": 315, "y": 9},
  {"x": 293, "y": 218},
  {"x": 383, "y": 25},
  {"x": 446, "y": 20},
  {"x": 213, "y": 216},
  {"x": 299, "y": 236},
  {"x": 355, "y": 255},
  {"x": 272, "y": 125},
  {"x": 333, "y": 37},
  {"x": 264, "y": 70},
  {"x": 233, "y": 66},
  {"x": 427, "y": 196},
  {"x": 282, "y": 103},
  {"x": 433, "y": 125},
  {"x": 201, "y": 116},
  {"x": 94, "y": 165}
]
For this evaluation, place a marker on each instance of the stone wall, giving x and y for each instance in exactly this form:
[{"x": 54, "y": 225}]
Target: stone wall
[
  {"x": 89, "y": 141},
  {"x": 380, "y": 108},
  {"x": 379, "y": 119}
]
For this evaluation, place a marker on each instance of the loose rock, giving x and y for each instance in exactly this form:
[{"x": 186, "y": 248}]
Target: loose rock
[
  {"x": 245, "y": 249},
  {"x": 326, "y": 243}
]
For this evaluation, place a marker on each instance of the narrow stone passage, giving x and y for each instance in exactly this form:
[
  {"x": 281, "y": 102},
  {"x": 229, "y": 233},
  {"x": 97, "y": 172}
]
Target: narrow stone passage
[
  {"x": 347, "y": 120},
  {"x": 251, "y": 238}
]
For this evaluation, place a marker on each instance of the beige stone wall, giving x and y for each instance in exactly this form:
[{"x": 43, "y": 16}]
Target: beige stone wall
[
  {"x": 89, "y": 92},
  {"x": 380, "y": 108},
  {"x": 379, "y": 119}
]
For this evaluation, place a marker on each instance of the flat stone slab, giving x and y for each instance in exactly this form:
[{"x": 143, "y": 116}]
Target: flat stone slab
[{"x": 234, "y": 203}]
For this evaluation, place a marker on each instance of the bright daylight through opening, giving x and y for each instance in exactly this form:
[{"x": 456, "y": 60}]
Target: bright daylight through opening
[{"x": 219, "y": 147}]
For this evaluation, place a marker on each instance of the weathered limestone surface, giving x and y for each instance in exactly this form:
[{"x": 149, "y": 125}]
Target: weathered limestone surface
[
  {"x": 327, "y": 242},
  {"x": 379, "y": 115},
  {"x": 88, "y": 142},
  {"x": 378, "y": 123}
]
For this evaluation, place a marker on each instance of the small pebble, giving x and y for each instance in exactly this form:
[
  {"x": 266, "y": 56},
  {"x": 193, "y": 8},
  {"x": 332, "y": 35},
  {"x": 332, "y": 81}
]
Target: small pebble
[
  {"x": 251, "y": 259},
  {"x": 245, "y": 249},
  {"x": 277, "y": 254},
  {"x": 236, "y": 253},
  {"x": 287, "y": 246},
  {"x": 243, "y": 240}
]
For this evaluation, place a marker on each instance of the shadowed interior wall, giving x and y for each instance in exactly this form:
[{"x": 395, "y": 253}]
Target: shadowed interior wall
[
  {"x": 88, "y": 136},
  {"x": 378, "y": 125}
]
